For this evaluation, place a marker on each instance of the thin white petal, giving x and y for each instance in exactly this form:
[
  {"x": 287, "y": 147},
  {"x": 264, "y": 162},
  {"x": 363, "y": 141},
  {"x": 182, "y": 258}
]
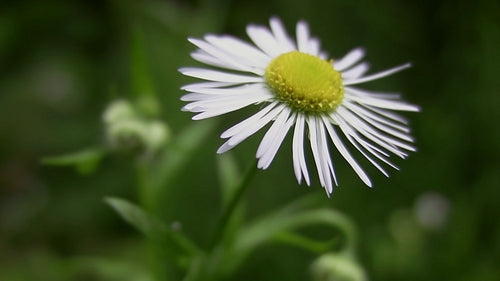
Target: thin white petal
[
  {"x": 302, "y": 37},
  {"x": 325, "y": 154},
  {"x": 192, "y": 97},
  {"x": 314, "y": 46},
  {"x": 235, "y": 129},
  {"x": 222, "y": 107},
  {"x": 210, "y": 60},
  {"x": 320, "y": 155},
  {"x": 247, "y": 128},
  {"x": 356, "y": 71},
  {"x": 194, "y": 87},
  {"x": 323, "y": 55},
  {"x": 299, "y": 160},
  {"x": 246, "y": 89},
  {"x": 272, "y": 133},
  {"x": 269, "y": 148},
  {"x": 219, "y": 76},
  {"x": 345, "y": 153},
  {"x": 367, "y": 114},
  {"x": 387, "y": 142},
  {"x": 240, "y": 49},
  {"x": 354, "y": 139},
  {"x": 265, "y": 40},
  {"x": 281, "y": 35},
  {"x": 371, "y": 94},
  {"x": 314, "y": 147},
  {"x": 388, "y": 114},
  {"x": 349, "y": 59},
  {"x": 361, "y": 127},
  {"x": 376, "y": 75},
  {"x": 216, "y": 102},
  {"x": 220, "y": 57},
  {"x": 382, "y": 103}
]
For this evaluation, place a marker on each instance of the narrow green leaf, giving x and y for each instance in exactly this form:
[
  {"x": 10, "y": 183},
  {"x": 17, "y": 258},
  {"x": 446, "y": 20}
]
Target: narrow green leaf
[
  {"x": 182, "y": 147},
  {"x": 85, "y": 161},
  {"x": 175, "y": 244},
  {"x": 229, "y": 175},
  {"x": 135, "y": 216},
  {"x": 280, "y": 225},
  {"x": 141, "y": 81},
  {"x": 301, "y": 241},
  {"x": 264, "y": 229}
]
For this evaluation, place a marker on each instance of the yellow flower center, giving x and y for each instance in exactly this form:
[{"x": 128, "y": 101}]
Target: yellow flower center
[{"x": 305, "y": 82}]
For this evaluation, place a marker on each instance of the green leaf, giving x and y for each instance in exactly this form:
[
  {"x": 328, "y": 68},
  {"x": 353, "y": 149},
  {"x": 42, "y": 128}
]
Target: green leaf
[
  {"x": 174, "y": 243},
  {"x": 177, "y": 154},
  {"x": 264, "y": 229},
  {"x": 281, "y": 226},
  {"x": 135, "y": 216},
  {"x": 141, "y": 81},
  {"x": 85, "y": 161},
  {"x": 229, "y": 176},
  {"x": 142, "y": 86},
  {"x": 306, "y": 243}
]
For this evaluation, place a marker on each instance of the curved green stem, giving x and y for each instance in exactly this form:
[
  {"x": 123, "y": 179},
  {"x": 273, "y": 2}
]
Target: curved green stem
[{"x": 233, "y": 203}]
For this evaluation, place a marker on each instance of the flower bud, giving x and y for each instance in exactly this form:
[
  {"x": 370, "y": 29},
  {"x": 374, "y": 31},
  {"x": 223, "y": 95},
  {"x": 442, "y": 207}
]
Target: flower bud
[
  {"x": 127, "y": 129},
  {"x": 337, "y": 267}
]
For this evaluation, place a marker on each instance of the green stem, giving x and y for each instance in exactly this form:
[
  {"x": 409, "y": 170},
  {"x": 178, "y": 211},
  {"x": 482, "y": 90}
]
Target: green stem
[{"x": 233, "y": 204}]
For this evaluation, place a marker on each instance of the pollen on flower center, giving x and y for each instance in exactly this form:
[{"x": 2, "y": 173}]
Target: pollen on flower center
[{"x": 306, "y": 82}]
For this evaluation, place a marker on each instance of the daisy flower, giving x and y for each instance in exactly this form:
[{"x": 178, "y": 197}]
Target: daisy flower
[{"x": 295, "y": 84}]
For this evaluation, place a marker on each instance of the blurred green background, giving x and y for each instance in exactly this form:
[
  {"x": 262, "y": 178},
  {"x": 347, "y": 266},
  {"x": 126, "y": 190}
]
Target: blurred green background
[{"x": 62, "y": 62}]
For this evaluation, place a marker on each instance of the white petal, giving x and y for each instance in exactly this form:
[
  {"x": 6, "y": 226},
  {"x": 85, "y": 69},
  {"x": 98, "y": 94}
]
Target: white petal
[
  {"x": 352, "y": 136},
  {"x": 314, "y": 147},
  {"x": 382, "y": 103},
  {"x": 299, "y": 160},
  {"x": 323, "y": 55},
  {"x": 247, "y": 128},
  {"x": 265, "y": 40},
  {"x": 215, "y": 102},
  {"x": 302, "y": 37},
  {"x": 376, "y": 75},
  {"x": 354, "y": 139},
  {"x": 388, "y": 143},
  {"x": 306, "y": 43},
  {"x": 367, "y": 114},
  {"x": 313, "y": 46},
  {"x": 345, "y": 153},
  {"x": 194, "y": 87},
  {"x": 193, "y": 97},
  {"x": 371, "y": 94},
  {"x": 219, "y": 57},
  {"x": 325, "y": 153},
  {"x": 235, "y": 129},
  {"x": 274, "y": 138},
  {"x": 388, "y": 114},
  {"x": 271, "y": 134},
  {"x": 357, "y": 71},
  {"x": 245, "y": 52},
  {"x": 246, "y": 89},
  {"x": 222, "y": 107},
  {"x": 219, "y": 76},
  {"x": 317, "y": 141},
  {"x": 281, "y": 35},
  {"x": 348, "y": 60}
]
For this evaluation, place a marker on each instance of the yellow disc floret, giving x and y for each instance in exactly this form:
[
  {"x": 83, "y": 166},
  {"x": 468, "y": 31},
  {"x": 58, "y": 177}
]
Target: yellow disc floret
[{"x": 305, "y": 82}]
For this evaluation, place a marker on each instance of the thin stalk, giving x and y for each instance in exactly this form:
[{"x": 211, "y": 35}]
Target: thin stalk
[{"x": 233, "y": 204}]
